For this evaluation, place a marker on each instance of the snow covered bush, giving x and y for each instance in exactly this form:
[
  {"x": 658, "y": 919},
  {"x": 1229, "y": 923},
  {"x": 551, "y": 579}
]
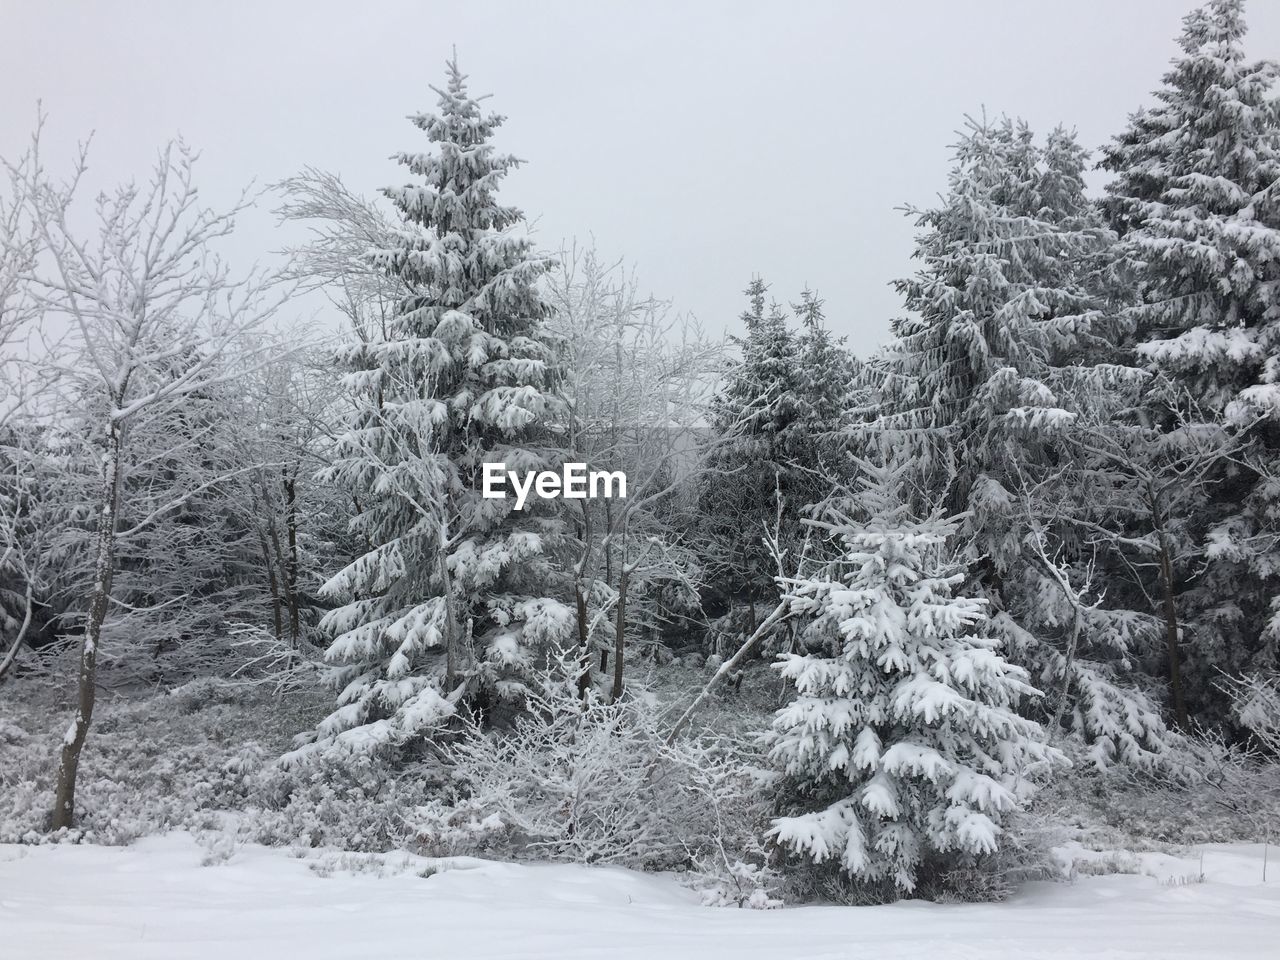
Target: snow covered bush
[
  {"x": 1256, "y": 704},
  {"x": 568, "y": 782},
  {"x": 360, "y": 803},
  {"x": 1241, "y": 775},
  {"x": 201, "y": 758},
  {"x": 594, "y": 782},
  {"x": 159, "y": 763},
  {"x": 902, "y": 745},
  {"x": 1183, "y": 802}
]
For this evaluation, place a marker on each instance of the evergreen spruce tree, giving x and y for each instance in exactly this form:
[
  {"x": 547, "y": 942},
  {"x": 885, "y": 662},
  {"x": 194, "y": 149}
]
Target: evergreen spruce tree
[
  {"x": 1011, "y": 336},
  {"x": 818, "y": 441},
  {"x": 1197, "y": 201},
  {"x": 999, "y": 309},
  {"x": 751, "y": 419},
  {"x": 903, "y": 744},
  {"x": 457, "y": 597}
]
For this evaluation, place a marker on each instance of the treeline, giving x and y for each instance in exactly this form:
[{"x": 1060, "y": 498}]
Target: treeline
[{"x": 1047, "y": 509}]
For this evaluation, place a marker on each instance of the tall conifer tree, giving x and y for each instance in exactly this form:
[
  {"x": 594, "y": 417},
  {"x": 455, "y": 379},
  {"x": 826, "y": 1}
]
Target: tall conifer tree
[
  {"x": 1010, "y": 335},
  {"x": 1196, "y": 198},
  {"x": 456, "y": 597},
  {"x": 751, "y": 417}
]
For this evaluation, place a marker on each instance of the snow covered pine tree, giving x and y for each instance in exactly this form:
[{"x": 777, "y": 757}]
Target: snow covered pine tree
[
  {"x": 455, "y": 598},
  {"x": 903, "y": 734},
  {"x": 748, "y": 461},
  {"x": 1197, "y": 203},
  {"x": 817, "y": 441},
  {"x": 1009, "y": 341}
]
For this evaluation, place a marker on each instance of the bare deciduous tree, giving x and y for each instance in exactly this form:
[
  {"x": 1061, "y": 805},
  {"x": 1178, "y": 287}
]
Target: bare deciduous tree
[
  {"x": 635, "y": 378},
  {"x": 155, "y": 317},
  {"x": 23, "y": 536}
]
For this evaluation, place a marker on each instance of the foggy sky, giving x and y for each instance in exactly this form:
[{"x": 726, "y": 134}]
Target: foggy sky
[{"x": 704, "y": 141}]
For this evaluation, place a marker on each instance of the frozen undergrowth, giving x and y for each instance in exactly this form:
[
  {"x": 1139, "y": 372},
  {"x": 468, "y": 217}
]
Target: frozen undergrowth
[
  {"x": 737, "y": 709},
  {"x": 158, "y": 761},
  {"x": 200, "y": 759},
  {"x": 1120, "y": 810}
]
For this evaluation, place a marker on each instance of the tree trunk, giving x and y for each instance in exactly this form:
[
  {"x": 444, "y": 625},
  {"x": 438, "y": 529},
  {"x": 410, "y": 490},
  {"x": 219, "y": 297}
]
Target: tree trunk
[
  {"x": 619, "y": 634},
  {"x": 1067, "y": 664},
  {"x": 450, "y": 623},
  {"x": 1170, "y": 618},
  {"x": 103, "y": 568},
  {"x": 608, "y": 554},
  {"x": 270, "y": 552},
  {"x": 1171, "y": 637},
  {"x": 726, "y": 668},
  {"x": 273, "y": 584},
  {"x": 580, "y": 602},
  {"x": 291, "y": 562},
  {"x": 584, "y": 645},
  {"x": 12, "y": 656}
]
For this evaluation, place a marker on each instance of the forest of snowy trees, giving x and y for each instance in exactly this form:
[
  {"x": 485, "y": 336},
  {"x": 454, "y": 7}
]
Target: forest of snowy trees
[{"x": 862, "y": 626}]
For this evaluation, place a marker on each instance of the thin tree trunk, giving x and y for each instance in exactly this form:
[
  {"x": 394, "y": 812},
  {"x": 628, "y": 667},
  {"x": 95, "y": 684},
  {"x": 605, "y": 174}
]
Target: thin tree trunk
[
  {"x": 584, "y": 645},
  {"x": 450, "y": 623},
  {"x": 619, "y": 633},
  {"x": 1171, "y": 636},
  {"x": 1170, "y": 604},
  {"x": 274, "y": 585},
  {"x": 726, "y": 668},
  {"x": 580, "y": 602},
  {"x": 450, "y": 657},
  {"x": 1066, "y": 670},
  {"x": 608, "y": 554},
  {"x": 291, "y": 564},
  {"x": 103, "y": 569},
  {"x": 265, "y": 539},
  {"x": 12, "y": 656},
  {"x": 280, "y": 563}
]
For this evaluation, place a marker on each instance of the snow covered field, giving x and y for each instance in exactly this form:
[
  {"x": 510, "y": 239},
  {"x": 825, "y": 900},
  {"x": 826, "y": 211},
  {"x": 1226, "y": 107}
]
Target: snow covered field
[{"x": 155, "y": 900}]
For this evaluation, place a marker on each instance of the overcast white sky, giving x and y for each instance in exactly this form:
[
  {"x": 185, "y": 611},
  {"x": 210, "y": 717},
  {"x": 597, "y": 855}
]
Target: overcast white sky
[{"x": 705, "y": 141}]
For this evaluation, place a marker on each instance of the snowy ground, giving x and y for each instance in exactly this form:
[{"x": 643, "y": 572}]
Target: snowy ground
[{"x": 155, "y": 900}]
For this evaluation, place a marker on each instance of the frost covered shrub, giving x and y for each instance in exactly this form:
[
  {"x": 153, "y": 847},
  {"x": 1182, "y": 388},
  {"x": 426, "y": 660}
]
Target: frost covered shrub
[
  {"x": 594, "y": 786},
  {"x": 155, "y": 764},
  {"x": 737, "y": 884},
  {"x": 197, "y": 759},
  {"x": 1185, "y": 801},
  {"x": 1225, "y": 788},
  {"x": 575, "y": 783},
  {"x": 1255, "y": 704},
  {"x": 359, "y": 804},
  {"x": 597, "y": 783}
]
